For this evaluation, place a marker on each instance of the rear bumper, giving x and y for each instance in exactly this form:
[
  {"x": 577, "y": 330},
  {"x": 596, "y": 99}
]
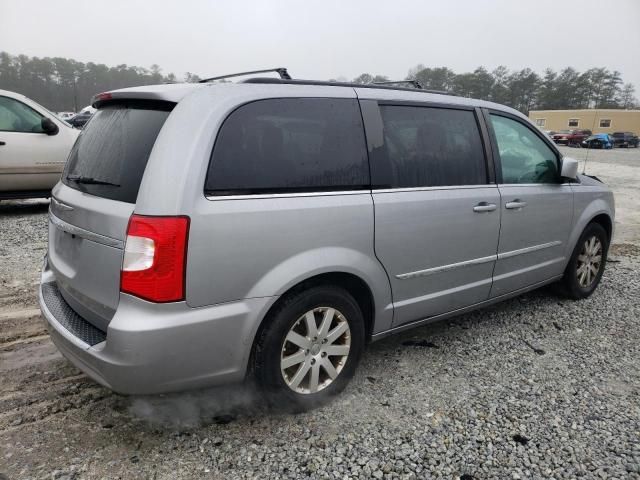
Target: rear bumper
[{"x": 155, "y": 348}]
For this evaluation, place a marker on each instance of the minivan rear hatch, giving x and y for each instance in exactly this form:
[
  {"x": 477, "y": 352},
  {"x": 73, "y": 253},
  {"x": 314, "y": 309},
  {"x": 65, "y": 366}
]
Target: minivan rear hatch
[{"x": 90, "y": 209}]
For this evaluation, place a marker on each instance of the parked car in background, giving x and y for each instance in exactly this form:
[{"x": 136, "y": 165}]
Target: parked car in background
[
  {"x": 65, "y": 115},
  {"x": 34, "y": 145},
  {"x": 80, "y": 120},
  {"x": 599, "y": 140},
  {"x": 625, "y": 139},
  {"x": 570, "y": 137},
  {"x": 171, "y": 263}
]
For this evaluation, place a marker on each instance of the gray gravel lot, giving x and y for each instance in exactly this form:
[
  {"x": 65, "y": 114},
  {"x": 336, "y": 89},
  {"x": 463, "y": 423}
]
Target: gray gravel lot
[{"x": 536, "y": 387}]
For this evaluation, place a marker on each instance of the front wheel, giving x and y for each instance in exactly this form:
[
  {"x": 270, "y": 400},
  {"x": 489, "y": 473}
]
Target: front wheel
[
  {"x": 310, "y": 348},
  {"x": 586, "y": 265}
]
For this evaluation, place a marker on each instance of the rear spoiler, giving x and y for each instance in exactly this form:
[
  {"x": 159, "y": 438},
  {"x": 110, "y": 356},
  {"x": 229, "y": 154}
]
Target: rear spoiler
[{"x": 171, "y": 93}]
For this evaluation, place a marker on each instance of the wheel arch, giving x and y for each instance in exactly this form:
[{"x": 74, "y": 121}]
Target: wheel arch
[
  {"x": 352, "y": 283},
  {"x": 605, "y": 221},
  {"x": 599, "y": 210}
]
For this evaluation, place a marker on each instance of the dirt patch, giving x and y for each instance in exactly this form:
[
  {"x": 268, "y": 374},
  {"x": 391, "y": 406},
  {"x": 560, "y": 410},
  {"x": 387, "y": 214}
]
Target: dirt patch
[{"x": 625, "y": 249}]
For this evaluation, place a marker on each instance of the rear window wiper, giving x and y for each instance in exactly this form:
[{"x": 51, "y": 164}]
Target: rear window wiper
[{"x": 89, "y": 180}]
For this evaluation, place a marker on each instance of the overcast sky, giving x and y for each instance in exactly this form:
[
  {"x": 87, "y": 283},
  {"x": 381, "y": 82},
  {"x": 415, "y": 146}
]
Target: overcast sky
[{"x": 329, "y": 38}]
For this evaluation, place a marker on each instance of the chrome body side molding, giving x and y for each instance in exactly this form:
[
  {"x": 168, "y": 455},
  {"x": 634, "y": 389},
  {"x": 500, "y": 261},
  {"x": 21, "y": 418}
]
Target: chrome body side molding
[
  {"x": 533, "y": 248},
  {"x": 476, "y": 261},
  {"x": 446, "y": 268},
  {"x": 459, "y": 311}
]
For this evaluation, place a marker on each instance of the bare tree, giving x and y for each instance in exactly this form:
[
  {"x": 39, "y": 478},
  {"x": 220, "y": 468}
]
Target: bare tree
[{"x": 627, "y": 99}]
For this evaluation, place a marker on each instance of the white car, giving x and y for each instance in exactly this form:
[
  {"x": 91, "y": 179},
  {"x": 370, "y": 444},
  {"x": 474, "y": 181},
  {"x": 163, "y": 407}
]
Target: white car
[
  {"x": 65, "y": 115},
  {"x": 34, "y": 145}
]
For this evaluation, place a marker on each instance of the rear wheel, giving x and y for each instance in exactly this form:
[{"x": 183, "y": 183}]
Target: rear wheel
[
  {"x": 586, "y": 265},
  {"x": 310, "y": 348}
]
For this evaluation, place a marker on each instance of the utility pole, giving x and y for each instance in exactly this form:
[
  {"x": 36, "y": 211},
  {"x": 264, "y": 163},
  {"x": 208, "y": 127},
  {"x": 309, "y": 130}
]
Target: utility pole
[{"x": 75, "y": 95}]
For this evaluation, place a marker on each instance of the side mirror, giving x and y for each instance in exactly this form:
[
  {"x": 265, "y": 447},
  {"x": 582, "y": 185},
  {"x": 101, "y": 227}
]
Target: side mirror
[
  {"x": 48, "y": 126},
  {"x": 569, "y": 168}
]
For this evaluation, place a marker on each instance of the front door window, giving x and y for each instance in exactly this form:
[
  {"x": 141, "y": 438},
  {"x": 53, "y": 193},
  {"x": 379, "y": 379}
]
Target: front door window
[
  {"x": 524, "y": 157},
  {"x": 15, "y": 116}
]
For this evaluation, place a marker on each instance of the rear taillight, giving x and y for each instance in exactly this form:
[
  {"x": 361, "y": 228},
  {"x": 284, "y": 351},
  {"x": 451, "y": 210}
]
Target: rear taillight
[{"x": 155, "y": 256}]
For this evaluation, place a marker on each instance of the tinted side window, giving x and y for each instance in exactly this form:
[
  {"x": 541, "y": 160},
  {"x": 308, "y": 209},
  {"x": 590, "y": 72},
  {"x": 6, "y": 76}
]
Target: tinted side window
[
  {"x": 428, "y": 147},
  {"x": 289, "y": 145},
  {"x": 524, "y": 157},
  {"x": 15, "y": 116}
]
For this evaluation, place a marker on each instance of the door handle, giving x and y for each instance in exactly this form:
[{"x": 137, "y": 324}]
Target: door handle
[
  {"x": 484, "y": 207},
  {"x": 515, "y": 205},
  {"x": 2, "y": 143}
]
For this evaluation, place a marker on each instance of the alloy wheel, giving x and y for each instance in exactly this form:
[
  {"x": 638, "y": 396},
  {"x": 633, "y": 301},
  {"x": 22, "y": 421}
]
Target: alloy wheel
[
  {"x": 315, "y": 350},
  {"x": 589, "y": 261}
]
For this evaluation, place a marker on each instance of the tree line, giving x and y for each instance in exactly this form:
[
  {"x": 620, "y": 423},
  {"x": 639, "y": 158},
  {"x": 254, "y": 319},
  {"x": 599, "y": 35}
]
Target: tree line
[
  {"x": 64, "y": 84},
  {"x": 525, "y": 89}
]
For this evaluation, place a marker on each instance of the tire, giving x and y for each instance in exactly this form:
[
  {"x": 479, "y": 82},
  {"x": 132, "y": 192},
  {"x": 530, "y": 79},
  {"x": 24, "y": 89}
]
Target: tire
[
  {"x": 273, "y": 348},
  {"x": 581, "y": 285}
]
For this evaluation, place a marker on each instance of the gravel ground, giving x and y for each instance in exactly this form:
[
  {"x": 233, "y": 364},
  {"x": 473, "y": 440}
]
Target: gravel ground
[{"x": 535, "y": 387}]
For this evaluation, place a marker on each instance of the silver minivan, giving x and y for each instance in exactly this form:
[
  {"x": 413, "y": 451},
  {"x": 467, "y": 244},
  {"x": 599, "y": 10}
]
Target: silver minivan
[{"x": 207, "y": 233}]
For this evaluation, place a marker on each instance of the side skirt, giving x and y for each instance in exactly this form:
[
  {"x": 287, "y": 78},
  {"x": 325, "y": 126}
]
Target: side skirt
[{"x": 453, "y": 313}]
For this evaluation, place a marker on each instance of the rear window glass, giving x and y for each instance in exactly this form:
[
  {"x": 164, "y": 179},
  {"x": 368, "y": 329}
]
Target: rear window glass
[
  {"x": 427, "y": 147},
  {"x": 290, "y": 145},
  {"x": 111, "y": 153}
]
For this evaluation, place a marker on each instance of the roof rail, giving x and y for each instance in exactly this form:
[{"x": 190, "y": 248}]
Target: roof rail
[
  {"x": 342, "y": 84},
  {"x": 415, "y": 83},
  {"x": 279, "y": 70}
]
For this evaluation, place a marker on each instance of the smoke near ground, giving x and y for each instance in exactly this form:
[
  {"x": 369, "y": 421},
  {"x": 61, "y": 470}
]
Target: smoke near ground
[{"x": 189, "y": 410}]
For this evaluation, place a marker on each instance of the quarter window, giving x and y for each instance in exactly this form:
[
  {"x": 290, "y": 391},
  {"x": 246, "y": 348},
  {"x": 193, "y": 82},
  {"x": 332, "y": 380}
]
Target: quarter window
[
  {"x": 605, "y": 123},
  {"x": 524, "y": 157},
  {"x": 15, "y": 116},
  {"x": 428, "y": 147},
  {"x": 540, "y": 122},
  {"x": 290, "y": 145},
  {"x": 573, "y": 122}
]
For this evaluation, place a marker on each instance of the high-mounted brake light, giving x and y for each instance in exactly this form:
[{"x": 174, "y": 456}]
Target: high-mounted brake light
[
  {"x": 155, "y": 256},
  {"x": 99, "y": 98}
]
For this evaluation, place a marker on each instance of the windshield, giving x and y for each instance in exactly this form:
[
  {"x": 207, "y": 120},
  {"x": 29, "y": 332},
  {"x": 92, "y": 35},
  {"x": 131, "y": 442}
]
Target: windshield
[{"x": 111, "y": 153}]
